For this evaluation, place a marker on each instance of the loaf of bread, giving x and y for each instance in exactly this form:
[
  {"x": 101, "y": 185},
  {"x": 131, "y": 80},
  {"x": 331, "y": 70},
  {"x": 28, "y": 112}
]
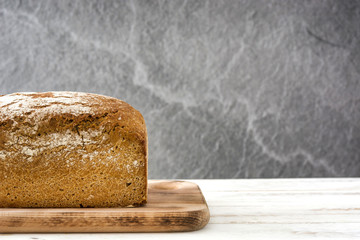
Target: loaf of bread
[{"x": 71, "y": 149}]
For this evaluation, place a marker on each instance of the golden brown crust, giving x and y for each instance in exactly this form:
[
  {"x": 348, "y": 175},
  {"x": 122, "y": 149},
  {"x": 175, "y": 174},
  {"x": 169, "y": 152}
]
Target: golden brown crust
[{"x": 67, "y": 149}]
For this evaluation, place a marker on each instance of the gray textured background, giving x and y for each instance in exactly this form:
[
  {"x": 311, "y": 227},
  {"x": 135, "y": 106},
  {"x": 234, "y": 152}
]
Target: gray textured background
[{"x": 228, "y": 89}]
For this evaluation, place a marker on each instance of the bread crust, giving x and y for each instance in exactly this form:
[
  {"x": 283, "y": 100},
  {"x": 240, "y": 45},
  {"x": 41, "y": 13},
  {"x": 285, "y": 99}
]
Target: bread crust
[{"x": 71, "y": 149}]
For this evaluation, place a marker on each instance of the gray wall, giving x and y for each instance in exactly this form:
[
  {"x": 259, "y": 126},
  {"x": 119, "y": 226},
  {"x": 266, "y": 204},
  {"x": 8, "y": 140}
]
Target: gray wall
[{"x": 228, "y": 89}]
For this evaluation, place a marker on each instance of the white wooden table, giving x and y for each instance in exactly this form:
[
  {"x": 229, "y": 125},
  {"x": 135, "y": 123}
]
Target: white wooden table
[{"x": 263, "y": 209}]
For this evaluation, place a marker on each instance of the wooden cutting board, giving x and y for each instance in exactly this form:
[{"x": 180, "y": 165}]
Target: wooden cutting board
[{"x": 172, "y": 206}]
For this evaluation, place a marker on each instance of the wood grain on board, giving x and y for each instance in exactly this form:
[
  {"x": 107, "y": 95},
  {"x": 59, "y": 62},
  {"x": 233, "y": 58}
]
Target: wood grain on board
[{"x": 172, "y": 206}]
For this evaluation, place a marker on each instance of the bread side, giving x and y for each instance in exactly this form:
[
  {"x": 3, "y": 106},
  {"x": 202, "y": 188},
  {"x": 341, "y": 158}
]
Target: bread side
[{"x": 68, "y": 149}]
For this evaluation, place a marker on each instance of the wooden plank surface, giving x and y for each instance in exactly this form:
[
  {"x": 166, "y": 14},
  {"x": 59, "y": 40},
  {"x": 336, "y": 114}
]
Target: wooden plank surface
[
  {"x": 249, "y": 209},
  {"x": 172, "y": 206},
  {"x": 326, "y": 208}
]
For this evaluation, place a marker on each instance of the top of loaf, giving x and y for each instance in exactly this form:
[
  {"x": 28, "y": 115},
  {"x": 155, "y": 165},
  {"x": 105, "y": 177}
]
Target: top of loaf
[
  {"x": 38, "y": 108},
  {"x": 61, "y": 102}
]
